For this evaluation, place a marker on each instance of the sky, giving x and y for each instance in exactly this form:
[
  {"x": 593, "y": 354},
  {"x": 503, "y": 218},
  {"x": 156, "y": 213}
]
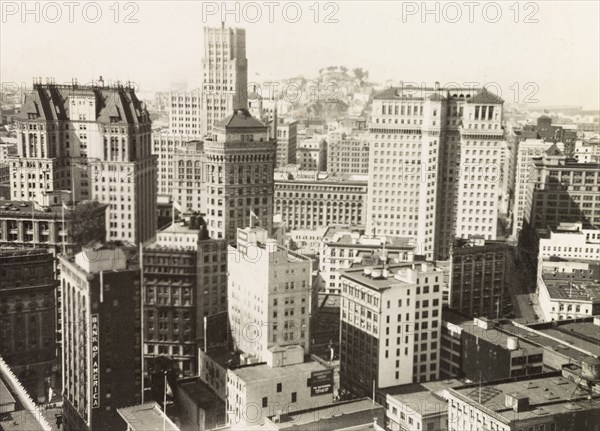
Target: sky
[{"x": 549, "y": 56}]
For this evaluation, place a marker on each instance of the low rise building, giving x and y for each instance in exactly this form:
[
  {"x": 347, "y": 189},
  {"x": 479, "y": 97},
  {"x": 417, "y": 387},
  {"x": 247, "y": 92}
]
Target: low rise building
[
  {"x": 360, "y": 414},
  {"x": 313, "y": 203},
  {"x": 568, "y": 289},
  {"x": 570, "y": 241},
  {"x": 146, "y": 417},
  {"x": 548, "y": 402},
  {"x": 418, "y": 406},
  {"x": 200, "y": 408},
  {"x": 258, "y": 391},
  {"x": 311, "y": 153},
  {"x": 487, "y": 352}
]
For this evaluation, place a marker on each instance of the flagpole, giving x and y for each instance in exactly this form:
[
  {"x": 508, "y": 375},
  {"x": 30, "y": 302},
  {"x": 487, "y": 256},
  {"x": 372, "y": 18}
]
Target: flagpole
[
  {"x": 165, "y": 404},
  {"x": 63, "y": 228},
  {"x": 33, "y": 223}
]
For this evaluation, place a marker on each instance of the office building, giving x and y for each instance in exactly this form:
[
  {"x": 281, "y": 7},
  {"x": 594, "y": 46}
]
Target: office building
[
  {"x": 185, "y": 113},
  {"x": 287, "y": 137},
  {"x": 418, "y": 406},
  {"x": 390, "y": 329},
  {"x": 269, "y": 295},
  {"x": 526, "y": 178},
  {"x": 311, "y": 154},
  {"x": 348, "y": 153},
  {"x": 344, "y": 247},
  {"x": 486, "y": 351},
  {"x": 568, "y": 289},
  {"x": 356, "y": 414},
  {"x": 88, "y": 143},
  {"x": 184, "y": 281},
  {"x": 427, "y": 143},
  {"x": 240, "y": 160},
  {"x": 28, "y": 330},
  {"x": 164, "y": 145},
  {"x": 565, "y": 191},
  {"x": 189, "y": 186},
  {"x": 310, "y": 203},
  {"x": 101, "y": 361},
  {"x": 570, "y": 241},
  {"x": 549, "y": 402},
  {"x": 225, "y": 75},
  {"x": 286, "y": 383},
  {"x": 479, "y": 277}
]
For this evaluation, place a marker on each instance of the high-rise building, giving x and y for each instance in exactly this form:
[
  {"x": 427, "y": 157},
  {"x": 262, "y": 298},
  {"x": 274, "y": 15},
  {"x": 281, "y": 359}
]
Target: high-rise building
[
  {"x": 102, "y": 346},
  {"x": 269, "y": 295},
  {"x": 164, "y": 146},
  {"x": 526, "y": 177},
  {"x": 565, "y": 191},
  {"x": 88, "y": 142},
  {"x": 189, "y": 185},
  {"x": 185, "y": 116},
  {"x": 390, "y": 329},
  {"x": 287, "y": 137},
  {"x": 240, "y": 160},
  {"x": 433, "y": 165},
  {"x": 28, "y": 316},
  {"x": 185, "y": 280},
  {"x": 348, "y": 153},
  {"x": 225, "y": 69},
  {"x": 479, "y": 277}
]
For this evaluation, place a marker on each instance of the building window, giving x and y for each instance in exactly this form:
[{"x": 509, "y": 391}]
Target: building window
[
  {"x": 279, "y": 387},
  {"x": 265, "y": 401},
  {"x": 294, "y": 397}
]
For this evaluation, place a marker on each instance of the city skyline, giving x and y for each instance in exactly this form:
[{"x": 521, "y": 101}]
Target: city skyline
[{"x": 524, "y": 61}]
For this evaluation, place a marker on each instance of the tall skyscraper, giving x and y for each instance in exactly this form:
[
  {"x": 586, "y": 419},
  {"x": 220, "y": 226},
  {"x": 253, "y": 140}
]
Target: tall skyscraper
[
  {"x": 225, "y": 70},
  {"x": 102, "y": 351},
  {"x": 433, "y": 175},
  {"x": 240, "y": 160},
  {"x": 88, "y": 142}
]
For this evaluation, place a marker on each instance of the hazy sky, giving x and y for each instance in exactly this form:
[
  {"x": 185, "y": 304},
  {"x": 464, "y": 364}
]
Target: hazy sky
[{"x": 559, "y": 53}]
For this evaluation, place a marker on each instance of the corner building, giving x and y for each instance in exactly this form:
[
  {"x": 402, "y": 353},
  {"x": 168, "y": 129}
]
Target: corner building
[{"x": 390, "y": 327}]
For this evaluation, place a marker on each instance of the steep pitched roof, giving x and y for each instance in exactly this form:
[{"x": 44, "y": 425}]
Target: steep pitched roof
[
  {"x": 240, "y": 119},
  {"x": 486, "y": 97}
]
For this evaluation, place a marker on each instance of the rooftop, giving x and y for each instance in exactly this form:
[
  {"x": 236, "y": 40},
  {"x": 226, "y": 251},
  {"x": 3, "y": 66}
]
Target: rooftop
[
  {"x": 548, "y": 394},
  {"x": 240, "y": 119},
  {"x": 147, "y": 417},
  {"x": 200, "y": 393},
  {"x": 374, "y": 278},
  {"x": 262, "y": 372},
  {"x": 428, "y": 397},
  {"x": 364, "y": 408}
]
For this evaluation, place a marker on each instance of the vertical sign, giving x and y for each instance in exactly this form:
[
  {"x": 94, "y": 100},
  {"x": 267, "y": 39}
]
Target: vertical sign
[{"x": 95, "y": 363}]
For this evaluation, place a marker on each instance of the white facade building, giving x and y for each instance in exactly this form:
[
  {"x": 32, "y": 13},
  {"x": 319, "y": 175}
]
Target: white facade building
[{"x": 571, "y": 241}]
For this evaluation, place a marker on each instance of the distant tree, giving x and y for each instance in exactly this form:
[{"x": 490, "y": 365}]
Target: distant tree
[
  {"x": 344, "y": 69},
  {"x": 292, "y": 245},
  {"x": 88, "y": 223},
  {"x": 331, "y": 68}
]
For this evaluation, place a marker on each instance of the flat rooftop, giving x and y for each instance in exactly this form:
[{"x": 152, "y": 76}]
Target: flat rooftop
[
  {"x": 573, "y": 290},
  {"x": 381, "y": 283},
  {"x": 262, "y": 372},
  {"x": 363, "y": 407},
  {"x": 548, "y": 394},
  {"x": 428, "y": 397},
  {"x": 147, "y": 417},
  {"x": 558, "y": 339},
  {"x": 200, "y": 394},
  {"x": 494, "y": 335}
]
